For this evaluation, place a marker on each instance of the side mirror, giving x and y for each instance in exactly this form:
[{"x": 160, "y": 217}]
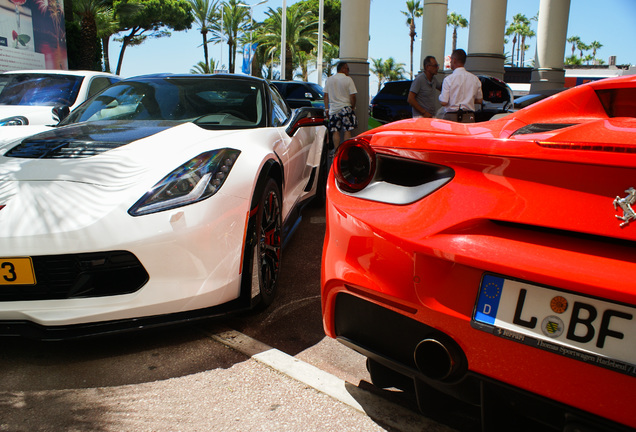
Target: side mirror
[
  {"x": 306, "y": 116},
  {"x": 60, "y": 112}
]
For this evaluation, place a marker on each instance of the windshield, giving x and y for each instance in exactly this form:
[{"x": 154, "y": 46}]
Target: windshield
[
  {"x": 209, "y": 102},
  {"x": 39, "y": 89}
]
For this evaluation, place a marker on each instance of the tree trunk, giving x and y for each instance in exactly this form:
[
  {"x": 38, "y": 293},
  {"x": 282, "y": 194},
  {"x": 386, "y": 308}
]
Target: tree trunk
[
  {"x": 124, "y": 44},
  {"x": 88, "y": 45},
  {"x": 105, "y": 46},
  {"x": 205, "y": 52},
  {"x": 454, "y": 39}
]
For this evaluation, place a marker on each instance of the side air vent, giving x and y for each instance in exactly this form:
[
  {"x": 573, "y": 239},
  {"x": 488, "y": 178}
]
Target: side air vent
[
  {"x": 60, "y": 149},
  {"x": 541, "y": 127}
]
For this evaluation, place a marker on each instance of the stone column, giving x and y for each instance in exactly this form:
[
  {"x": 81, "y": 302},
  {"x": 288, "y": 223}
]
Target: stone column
[
  {"x": 486, "y": 29},
  {"x": 552, "y": 30},
  {"x": 354, "y": 49},
  {"x": 434, "y": 14}
]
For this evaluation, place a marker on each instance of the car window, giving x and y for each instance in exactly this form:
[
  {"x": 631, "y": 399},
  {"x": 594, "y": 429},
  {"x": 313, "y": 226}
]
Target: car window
[
  {"x": 211, "y": 103},
  {"x": 39, "y": 89},
  {"x": 98, "y": 84},
  {"x": 620, "y": 102},
  {"x": 398, "y": 88},
  {"x": 280, "y": 110},
  {"x": 300, "y": 91}
]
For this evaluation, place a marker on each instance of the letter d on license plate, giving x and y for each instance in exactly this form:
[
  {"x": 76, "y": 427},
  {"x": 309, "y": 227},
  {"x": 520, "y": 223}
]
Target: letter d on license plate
[
  {"x": 16, "y": 271},
  {"x": 585, "y": 328}
]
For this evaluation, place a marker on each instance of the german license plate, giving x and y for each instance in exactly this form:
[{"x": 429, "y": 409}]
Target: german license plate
[
  {"x": 584, "y": 328},
  {"x": 16, "y": 271}
]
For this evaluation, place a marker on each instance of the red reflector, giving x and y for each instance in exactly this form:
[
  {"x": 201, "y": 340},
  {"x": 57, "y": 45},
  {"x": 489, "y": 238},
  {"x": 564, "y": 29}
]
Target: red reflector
[
  {"x": 354, "y": 165},
  {"x": 612, "y": 148}
]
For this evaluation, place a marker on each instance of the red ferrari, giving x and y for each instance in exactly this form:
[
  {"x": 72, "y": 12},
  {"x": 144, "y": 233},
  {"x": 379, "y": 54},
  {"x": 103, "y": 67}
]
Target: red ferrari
[{"x": 494, "y": 262}]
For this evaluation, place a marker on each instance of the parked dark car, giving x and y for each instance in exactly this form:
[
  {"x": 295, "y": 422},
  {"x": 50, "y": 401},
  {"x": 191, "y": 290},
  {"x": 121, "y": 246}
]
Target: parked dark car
[
  {"x": 390, "y": 104},
  {"x": 300, "y": 93},
  {"x": 526, "y": 100}
]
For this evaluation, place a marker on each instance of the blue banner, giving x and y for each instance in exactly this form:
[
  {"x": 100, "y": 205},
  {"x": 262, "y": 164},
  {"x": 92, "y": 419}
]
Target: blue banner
[{"x": 248, "y": 56}]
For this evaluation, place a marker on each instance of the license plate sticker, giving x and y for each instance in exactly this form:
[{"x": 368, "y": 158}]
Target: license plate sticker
[
  {"x": 16, "y": 271},
  {"x": 576, "y": 326}
]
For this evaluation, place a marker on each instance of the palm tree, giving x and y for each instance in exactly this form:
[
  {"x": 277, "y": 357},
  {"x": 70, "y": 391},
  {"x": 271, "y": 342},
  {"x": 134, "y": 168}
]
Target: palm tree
[
  {"x": 526, "y": 32},
  {"x": 107, "y": 25},
  {"x": 377, "y": 68},
  {"x": 202, "y": 68},
  {"x": 520, "y": 24},
  {"x": 595, "y": 45},
  {"x": 87, "y": 10},
  {"x": 574, "y": 40},
  {"x": 513, "y": 30},
  {"x": 582, "y": 47},
  {"x": 414, "y": 10},
  {"x": 330, "y": 54},
  {"x": 204, "y": 12},
  {"x": 456, "y": 21},
  {"x": 230, "y": 28},
  {"x": 387, "y": 70},
  {"x": 301, "y": 29}
]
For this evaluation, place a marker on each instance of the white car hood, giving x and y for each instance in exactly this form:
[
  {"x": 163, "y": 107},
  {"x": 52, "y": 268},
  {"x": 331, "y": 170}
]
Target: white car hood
[
  {"x": 64, "y": 194},
  {"x": 109, "y": 154},
  {"x": 36, "y": 114}
]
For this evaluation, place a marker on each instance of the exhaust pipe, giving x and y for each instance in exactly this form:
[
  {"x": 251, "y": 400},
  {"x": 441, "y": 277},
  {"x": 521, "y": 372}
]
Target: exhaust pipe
[{"x": 437, "y": 360}]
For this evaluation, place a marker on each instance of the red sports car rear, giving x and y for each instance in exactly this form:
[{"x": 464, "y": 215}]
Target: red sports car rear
[{"x": 495, "y": 262}]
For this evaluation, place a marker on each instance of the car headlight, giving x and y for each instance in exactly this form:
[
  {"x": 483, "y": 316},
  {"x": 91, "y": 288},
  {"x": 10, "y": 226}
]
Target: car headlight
[
  {"x": 198, "y": 179},
  {"x": 14, "y": 121},
  {"x": 362, "y": 172}
]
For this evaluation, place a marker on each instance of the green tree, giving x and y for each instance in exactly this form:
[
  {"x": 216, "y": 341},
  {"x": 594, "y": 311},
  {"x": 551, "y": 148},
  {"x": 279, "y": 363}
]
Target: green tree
[
  {"x": 202, "y": 68},
  {"x": 152, "y": 18},
  {"x": 107, "y": 26},
  {"x": 574, "y": 40},
  {"x": 573, "y": 60},
  {"x": 413, "y": 11},
  {"x": 456, "y": 21},
  {"x": 595, "y": 45},
  {"x": 387, "y": 70},
  {"x": 204, "y": 13},
  {"x": 330, "y": 56},
  {"x": 582, "y": 46},
  {"x": 331, "y": 17},
  {"x": 520, "y": 24},
  {"x": 301, "y": 35},
  {"x": 526, "y": 32},
  {"x": 233, "y": 25},
  {"x": 89, "y": 55}
]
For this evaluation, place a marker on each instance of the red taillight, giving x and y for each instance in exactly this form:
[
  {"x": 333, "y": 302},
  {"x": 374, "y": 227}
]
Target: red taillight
[{"x": 354, "y": 165}]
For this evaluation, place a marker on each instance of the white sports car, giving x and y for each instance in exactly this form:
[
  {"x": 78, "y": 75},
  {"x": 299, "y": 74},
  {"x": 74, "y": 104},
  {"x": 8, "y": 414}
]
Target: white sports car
[
  {"x": 164, "y": 198},
  {"x": 39, "y": 97}
]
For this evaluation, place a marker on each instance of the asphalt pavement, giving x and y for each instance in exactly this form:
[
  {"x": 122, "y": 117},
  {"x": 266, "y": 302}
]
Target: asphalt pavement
[{"x": 270, "y": 371}]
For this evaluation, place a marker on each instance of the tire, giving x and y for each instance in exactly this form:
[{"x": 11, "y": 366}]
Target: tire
[
  {"x": 323, "y": 174},
  {"x": 264, "y": 244}
]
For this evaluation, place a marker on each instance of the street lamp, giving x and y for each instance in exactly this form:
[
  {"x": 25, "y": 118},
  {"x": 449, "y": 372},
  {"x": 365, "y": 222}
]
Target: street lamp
[
  {"x": 251, "y": 26},
  {"x": 283, "y": 40}
]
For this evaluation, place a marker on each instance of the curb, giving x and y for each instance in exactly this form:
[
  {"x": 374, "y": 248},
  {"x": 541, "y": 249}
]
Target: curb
[{"x": 379, "y": 409}]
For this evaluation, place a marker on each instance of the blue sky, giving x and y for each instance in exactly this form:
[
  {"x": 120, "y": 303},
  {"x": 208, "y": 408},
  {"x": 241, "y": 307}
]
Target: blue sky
[{"x": 611, "y": 22}]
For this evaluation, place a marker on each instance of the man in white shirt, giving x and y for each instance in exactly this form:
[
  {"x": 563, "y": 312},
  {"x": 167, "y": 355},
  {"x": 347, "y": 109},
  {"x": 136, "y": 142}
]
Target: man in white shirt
[
  {"x": 461, "y": 90},
  {"x": 340, "y": 103}
]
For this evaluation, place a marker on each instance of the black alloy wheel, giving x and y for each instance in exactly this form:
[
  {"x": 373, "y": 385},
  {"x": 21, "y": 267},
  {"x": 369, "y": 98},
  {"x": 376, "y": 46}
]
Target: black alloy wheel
[{"x": 267, "y": 248}]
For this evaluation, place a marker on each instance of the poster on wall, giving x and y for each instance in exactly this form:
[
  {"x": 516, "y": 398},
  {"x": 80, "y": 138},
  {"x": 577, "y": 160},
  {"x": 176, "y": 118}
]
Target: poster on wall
[{"x": 32, "y": 35}]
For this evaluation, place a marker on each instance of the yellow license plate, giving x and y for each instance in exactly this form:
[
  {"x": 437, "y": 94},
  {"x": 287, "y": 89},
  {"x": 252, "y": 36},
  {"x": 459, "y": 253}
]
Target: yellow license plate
[{"x": 16, "y": 271}]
